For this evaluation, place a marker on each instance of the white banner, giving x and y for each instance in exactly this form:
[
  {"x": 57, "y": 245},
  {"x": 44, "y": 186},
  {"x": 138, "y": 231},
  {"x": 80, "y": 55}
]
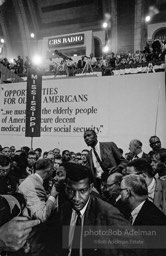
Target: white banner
[
  {"x": 69, "y": 107},
  {"x": 118, "y": 108}
]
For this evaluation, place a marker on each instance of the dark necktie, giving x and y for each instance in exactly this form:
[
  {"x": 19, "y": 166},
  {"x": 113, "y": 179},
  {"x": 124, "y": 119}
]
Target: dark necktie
[
  {"x": 77, "y": 236},
  {"x": 99, "y": 160},
  {"x": 131, "y": 219}
]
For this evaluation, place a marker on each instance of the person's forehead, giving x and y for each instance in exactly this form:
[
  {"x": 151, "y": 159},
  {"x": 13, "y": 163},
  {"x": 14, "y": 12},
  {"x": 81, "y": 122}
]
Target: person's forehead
[
  {"x": 50, "y": 155},
  {"x": 58, "y": 161},
  {"x": 155, "y": 139},
  {"x": 130, "y": 169},
  {"x": 56, "y": 150},
  {"x": 77, "y": 184},
  {"x": 88, "y": 133},
  {"x": 31, "y": 156},
  {"x": 6, "y": 150},
  {"x": 122, "y": 183},
  {"x": 4, "y": 167},
  {"x": 110, "y": 180}
]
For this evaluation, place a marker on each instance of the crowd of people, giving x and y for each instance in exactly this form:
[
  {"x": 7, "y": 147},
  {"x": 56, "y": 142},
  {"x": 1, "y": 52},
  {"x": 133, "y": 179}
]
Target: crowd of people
[
  {"x": 45, "y": 195},
  {"x": 151, "y": 59}
]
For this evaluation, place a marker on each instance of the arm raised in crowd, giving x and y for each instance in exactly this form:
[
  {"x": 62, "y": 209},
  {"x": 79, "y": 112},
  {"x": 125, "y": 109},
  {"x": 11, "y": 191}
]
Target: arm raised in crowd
[{"x": 14, "y": 233}]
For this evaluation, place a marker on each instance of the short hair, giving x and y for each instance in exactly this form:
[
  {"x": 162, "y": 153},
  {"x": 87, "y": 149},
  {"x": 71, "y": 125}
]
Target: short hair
[
  {"x": 86, "y": 150},
  {"x": 5, "y": 147},
  {"x": 92, "y": 131},
  {"x": 117, "y": 177},
  {"x": 38, "y": 149},
  {"x": 25, "y": 148},
  {"x": 64, "y": 151},
  {"x": 137, "y": 184},
  {"x": 77, "y": 172},
  {"x": 138, "y": 143},
  {"x": 142, "y": 166},
  {"x": 4, "y": 160},
  {"x": 32, "y": 153},
  {"x": 43, "y": 164},
  {"x": 153, "y": 137}
]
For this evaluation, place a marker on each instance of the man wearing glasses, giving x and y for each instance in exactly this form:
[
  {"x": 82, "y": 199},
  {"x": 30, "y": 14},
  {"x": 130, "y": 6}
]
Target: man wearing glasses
[
  {"x": 110, "y": 189},
  {"x": 155, "y": 144}
]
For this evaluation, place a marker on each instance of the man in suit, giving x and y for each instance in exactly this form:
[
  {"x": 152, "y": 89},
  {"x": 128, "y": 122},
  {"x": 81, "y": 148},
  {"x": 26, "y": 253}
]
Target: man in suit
[
  {"x": 156, "y": 187},
  {"x": 91, "y": 212},
  {"x": 110, "y": 189},
  {"x": 155, "y": 144},
  {"x": 32, "y": 188},
  {"x": 134, "y": 193},
  {"x": 38, "y": 204},
  {"x": 135, "y": 147},
  {"x": 104, "y": 157}
]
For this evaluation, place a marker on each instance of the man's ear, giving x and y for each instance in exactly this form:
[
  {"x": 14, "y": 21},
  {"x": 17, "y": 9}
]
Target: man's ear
[
  {"x": 129, "y": 194},
  {"x": 91, "y": 187}
]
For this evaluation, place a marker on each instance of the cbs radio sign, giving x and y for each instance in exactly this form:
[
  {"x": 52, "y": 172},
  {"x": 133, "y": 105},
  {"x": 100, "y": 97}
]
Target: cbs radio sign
[{"x": 66, "y": 41}]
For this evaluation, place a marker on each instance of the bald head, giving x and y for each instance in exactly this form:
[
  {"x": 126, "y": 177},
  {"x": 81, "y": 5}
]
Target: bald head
[{"x": 114, "y": 178}]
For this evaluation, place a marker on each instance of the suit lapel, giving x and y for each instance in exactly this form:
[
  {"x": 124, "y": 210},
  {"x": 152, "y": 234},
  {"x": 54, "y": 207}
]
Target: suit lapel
[{"x": 141, "y": 214}]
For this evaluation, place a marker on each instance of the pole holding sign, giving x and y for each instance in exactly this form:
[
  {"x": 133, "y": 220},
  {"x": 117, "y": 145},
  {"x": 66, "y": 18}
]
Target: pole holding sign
[{"x": 33, "y": 103}]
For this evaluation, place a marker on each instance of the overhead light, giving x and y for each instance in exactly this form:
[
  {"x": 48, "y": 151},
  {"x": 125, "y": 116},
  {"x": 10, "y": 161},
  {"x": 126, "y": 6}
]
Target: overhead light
[
  {"x": 37, "y": 60},
  {"x": 147, "y": 18},
  {"x": 105, "y": 49},
  {"x": 105, "y": 25},
  {"x": 2, "y": 40},
  {"x": 32, "y": 35}
]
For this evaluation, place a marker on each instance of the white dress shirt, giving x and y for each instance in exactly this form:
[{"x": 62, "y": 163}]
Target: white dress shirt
[
  {"x": 151, "y": 190},
  {"x": 135, "y": 212},
  {"x": 72, "y": 227},
  {"x": 99, "y": 170}
]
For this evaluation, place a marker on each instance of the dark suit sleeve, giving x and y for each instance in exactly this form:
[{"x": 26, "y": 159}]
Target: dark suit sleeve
[{"x": 120, "y": 160}]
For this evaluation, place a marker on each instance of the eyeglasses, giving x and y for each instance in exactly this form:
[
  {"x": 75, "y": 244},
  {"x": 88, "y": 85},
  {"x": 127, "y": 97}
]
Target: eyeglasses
[{"x": 155, "y": 142}]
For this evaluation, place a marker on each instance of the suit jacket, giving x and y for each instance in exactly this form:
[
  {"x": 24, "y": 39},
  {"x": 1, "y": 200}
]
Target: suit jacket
[
  {"x": 37, "y": 204},
  {"x": 160, "y": 195},
  {"x": 110, "y": 156},
  {"x": 150, "y": 215},
  {"x": 98, "y": 214}
]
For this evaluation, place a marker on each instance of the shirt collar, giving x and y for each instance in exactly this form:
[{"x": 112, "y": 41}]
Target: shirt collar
[
  {"x": 140, "y": 154},
  {"x": 40, "y": 178},
  {"x": 135, "y": 212},
  {"x": 97, "y": 146},
  {"x": 83, "y": 209},
  {"x": 151, "y": 185}
]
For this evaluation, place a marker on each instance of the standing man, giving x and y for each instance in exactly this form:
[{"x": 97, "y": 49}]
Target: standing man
[
  {"x": 111, "y": 193},
  {"x": 39, "y": 206},
  {"x": 104, "y": 157},
  {"x": 155, "y": 144},
  {"x": 135, "y": 147},
  {"x": 83, "y": 209}
]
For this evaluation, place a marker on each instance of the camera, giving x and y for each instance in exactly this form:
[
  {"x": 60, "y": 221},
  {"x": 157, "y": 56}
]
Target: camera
[{"x": 11, "y": 206}]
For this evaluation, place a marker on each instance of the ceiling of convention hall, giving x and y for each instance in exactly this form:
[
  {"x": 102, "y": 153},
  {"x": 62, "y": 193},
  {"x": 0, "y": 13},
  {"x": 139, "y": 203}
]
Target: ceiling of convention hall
[{"x": 19, "y": 18}]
